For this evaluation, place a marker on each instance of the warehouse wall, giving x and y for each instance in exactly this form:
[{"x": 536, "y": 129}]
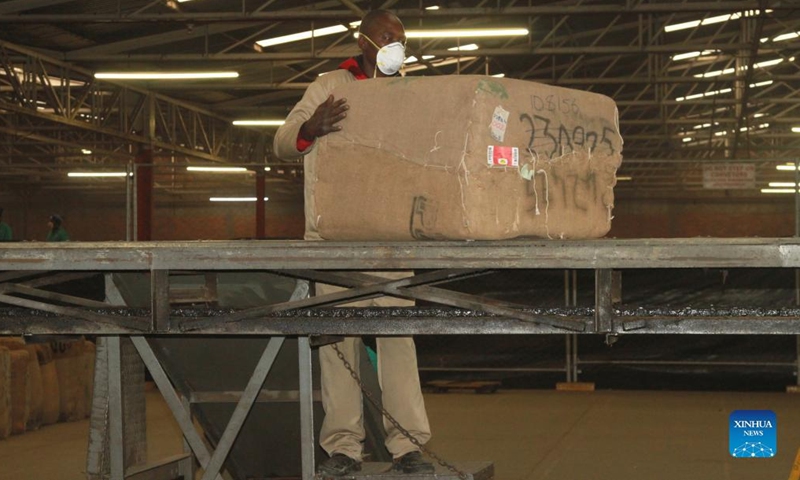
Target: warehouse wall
[
  {"x": 100, "y": 218},
  {"x": 714, "y": 216}
]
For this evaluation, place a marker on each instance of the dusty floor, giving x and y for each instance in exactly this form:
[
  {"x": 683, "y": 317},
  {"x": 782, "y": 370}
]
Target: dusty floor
[{"x": 529, "y": 434}]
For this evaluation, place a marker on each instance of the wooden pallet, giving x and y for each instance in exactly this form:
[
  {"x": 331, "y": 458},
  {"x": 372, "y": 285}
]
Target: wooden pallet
[{"x": 444, "y": 386}]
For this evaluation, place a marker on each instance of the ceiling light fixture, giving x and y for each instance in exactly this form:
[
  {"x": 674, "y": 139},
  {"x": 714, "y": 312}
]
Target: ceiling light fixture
[
  {"x": 164, "y": 75},
  {"x": 217, "y": 169},
  {"x": 235, "y": 199},
  {"x": 467, "y": 33},
  {"x": 264, "y": 123},
  {"x": 712, "y": 20},
  {"x": 413, "y": 59},
  {"x": 296, "y": 37},
  {"x": 778, "y": 190},
  {"x": 464, "y": 48},
  {"x": 432, "y": 7},
  {"x": 97, "y": 174},
  {"x": 446, "y": 61}
]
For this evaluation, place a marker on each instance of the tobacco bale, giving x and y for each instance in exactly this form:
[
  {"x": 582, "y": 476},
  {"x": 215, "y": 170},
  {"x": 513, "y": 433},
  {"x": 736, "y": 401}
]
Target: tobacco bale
[
  {"x": 20, "y": 391},
  {"x": 37, "y": 388},
  {"x": 51, "y": 396},
  {"x": 5, "y": 393},
  {"x": 68, "y": 366}
]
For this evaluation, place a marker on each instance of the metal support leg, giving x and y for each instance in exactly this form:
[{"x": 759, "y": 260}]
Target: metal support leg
[
  {"x": 306, "y": 408},
  {"x": 243, "y": 408},
  {"x": 116, "y": 436},
  {"x": 159, "y": 299},
  {"x": 173, "y": 401}
]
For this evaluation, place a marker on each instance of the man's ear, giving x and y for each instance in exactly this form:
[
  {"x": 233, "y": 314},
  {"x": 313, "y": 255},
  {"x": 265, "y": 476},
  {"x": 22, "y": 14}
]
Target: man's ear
[{"x": 362, "y": 43}]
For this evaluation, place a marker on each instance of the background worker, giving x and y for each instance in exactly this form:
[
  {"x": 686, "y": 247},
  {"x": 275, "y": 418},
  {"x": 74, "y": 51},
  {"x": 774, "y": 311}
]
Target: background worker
[
  {"x": 57, "y": 233},
  {"x": 6, "y": 235}
]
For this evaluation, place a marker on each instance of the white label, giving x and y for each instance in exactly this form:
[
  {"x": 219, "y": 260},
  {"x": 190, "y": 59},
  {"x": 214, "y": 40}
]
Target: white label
[{"x": 497, "y": 129}]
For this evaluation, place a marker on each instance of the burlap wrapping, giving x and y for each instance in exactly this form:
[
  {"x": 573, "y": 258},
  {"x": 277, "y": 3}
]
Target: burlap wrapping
[
  {"x": 51, "y": 396},
  {"x": 20, "y": 391},
  {"x": 5, "y": 392},
  {"x": 37, "y": 390},
  {"x": 66, "y": 356}
]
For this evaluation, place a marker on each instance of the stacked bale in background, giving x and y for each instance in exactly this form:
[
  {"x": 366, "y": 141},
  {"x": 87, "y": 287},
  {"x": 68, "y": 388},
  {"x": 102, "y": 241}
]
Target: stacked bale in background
[
  {"x": 5, "y": 393},
  {"x": 41, "y": 384},
  {"x": 51, "y": 395}
]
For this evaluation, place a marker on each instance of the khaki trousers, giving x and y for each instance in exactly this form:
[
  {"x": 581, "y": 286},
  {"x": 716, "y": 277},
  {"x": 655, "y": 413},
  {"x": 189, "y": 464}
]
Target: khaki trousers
[{"x": 343, "y": 426}]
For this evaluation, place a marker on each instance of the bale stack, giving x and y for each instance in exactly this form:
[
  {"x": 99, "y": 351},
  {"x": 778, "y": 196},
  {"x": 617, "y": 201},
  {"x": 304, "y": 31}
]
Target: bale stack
[
  {"x": 5, "y": 392},
  {"x": 37, "y": 387},
  {"x": 20, "y": 391},
  {"x": 67, "y": 356},
  {"x": 51, "y": 395}
]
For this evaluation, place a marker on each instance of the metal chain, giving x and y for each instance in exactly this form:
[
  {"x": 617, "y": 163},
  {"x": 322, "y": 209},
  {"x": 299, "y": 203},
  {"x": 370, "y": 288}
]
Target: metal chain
[{"x": 461, "y": 474}]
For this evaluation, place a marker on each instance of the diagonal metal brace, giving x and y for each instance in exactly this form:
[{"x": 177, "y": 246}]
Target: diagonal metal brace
[
  {"x": 173, "y": 401},
  {"x": 453, "y": 299},
  {"x": 135, "y": 323},
  {"x": 367, "y": 289}
]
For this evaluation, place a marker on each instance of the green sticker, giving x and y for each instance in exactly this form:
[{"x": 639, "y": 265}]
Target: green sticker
[{"x": 493, "y": 88}]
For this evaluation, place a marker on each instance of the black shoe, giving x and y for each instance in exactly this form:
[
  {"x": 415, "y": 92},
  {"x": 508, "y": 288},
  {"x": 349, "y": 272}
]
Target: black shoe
[
  {"x": 338, "y": 465},
  {"x": 412, "y": 462}
]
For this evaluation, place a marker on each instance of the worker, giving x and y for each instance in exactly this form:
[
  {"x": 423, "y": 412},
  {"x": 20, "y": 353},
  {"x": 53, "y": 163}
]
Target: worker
[
  {"x": 6, "y": 235},
  {"x": 57, "y": 233},
  {"x": 381, "y": 40}
]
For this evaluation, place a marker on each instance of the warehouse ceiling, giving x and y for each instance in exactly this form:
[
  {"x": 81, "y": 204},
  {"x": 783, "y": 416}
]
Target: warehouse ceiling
[{"x": 697, "y": 83}]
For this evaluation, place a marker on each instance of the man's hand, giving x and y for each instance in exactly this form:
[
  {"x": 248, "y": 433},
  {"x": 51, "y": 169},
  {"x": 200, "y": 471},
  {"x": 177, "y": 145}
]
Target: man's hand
[{"x": 325, "y": 119}]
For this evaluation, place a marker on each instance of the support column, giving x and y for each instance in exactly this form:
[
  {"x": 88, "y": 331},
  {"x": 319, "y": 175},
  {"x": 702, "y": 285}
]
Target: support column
[
  {"x": 261, "y": 192},
  {"x": 144, "y": 193}
]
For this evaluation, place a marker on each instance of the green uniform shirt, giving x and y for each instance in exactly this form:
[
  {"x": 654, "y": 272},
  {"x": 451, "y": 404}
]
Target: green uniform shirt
[
  {"x": 5, "y": 232},
  {"x": 59, "y": 235}
]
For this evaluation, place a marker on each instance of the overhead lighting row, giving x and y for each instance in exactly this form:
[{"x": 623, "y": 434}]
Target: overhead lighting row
[
  {"x": 719, "y": 92},
  {"x": 712, "y": 20}
]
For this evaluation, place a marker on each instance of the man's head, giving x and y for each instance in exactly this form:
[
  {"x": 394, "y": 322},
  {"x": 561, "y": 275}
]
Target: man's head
[
  {"x": 55, "y": 220},
  {"x": 379, "y": 28}
]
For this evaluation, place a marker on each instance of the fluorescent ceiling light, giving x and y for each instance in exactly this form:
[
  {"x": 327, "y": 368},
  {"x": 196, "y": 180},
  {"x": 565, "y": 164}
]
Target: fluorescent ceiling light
[
  {"x": 268, "y": 123},
  {"x": 296, "y": 37},
  {"x": 682, "y": 26},
  {"x": 464, "y": 48},
  {"x": 718, "y": 92},
  {"x": 267, "y": 169},
  {"x": 712, "y": 20},
  {"x": 413, "y": 59},
  {"x": 786, "y": 36},
  {"x": 687, "y": 139},
  {"x": 98, "y": 174},
  {"x": 782, "y": 184},
  {"x": 432, "y": 7},
  {"x": 86, "y": 151},
  {"x": 235, "y": 199},
  {"x": 778, "y": 190},
  {"x": 789, "y": 168},
  {"x": 217, "y": 169},
  {"x": 688, "y": 55},
  {"x": 467, "y": 33},
  {"x": 446, "y": 61},
  {"x": 796, "y": 129},
  {"x": 499, "y": 75},
  {"x": 164, "y": 75},
  {"x": 624, "y": 178}
]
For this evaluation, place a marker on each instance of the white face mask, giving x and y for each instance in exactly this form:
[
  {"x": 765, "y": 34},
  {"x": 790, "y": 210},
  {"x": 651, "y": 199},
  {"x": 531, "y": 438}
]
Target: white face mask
[{"x": 390, "y": 57}]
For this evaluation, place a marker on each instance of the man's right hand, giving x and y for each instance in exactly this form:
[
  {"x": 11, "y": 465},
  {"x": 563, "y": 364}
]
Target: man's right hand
[{"x": 325, "y": 119}]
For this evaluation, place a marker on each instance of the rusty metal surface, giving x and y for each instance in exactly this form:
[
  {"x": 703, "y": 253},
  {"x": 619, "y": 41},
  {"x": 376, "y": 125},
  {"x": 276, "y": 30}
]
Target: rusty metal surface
[{"x": 282, "y": 255}]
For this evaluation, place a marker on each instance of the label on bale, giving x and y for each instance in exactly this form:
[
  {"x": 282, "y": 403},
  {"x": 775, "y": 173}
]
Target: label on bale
[{"x": 502, "y": 156}]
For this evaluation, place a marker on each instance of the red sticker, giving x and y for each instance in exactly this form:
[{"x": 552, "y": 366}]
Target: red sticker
[{"x": 502, "y": 156}]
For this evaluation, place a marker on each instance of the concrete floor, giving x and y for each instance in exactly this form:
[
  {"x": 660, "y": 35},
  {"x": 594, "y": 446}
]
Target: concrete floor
[{"x": 529, "y": 434}]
